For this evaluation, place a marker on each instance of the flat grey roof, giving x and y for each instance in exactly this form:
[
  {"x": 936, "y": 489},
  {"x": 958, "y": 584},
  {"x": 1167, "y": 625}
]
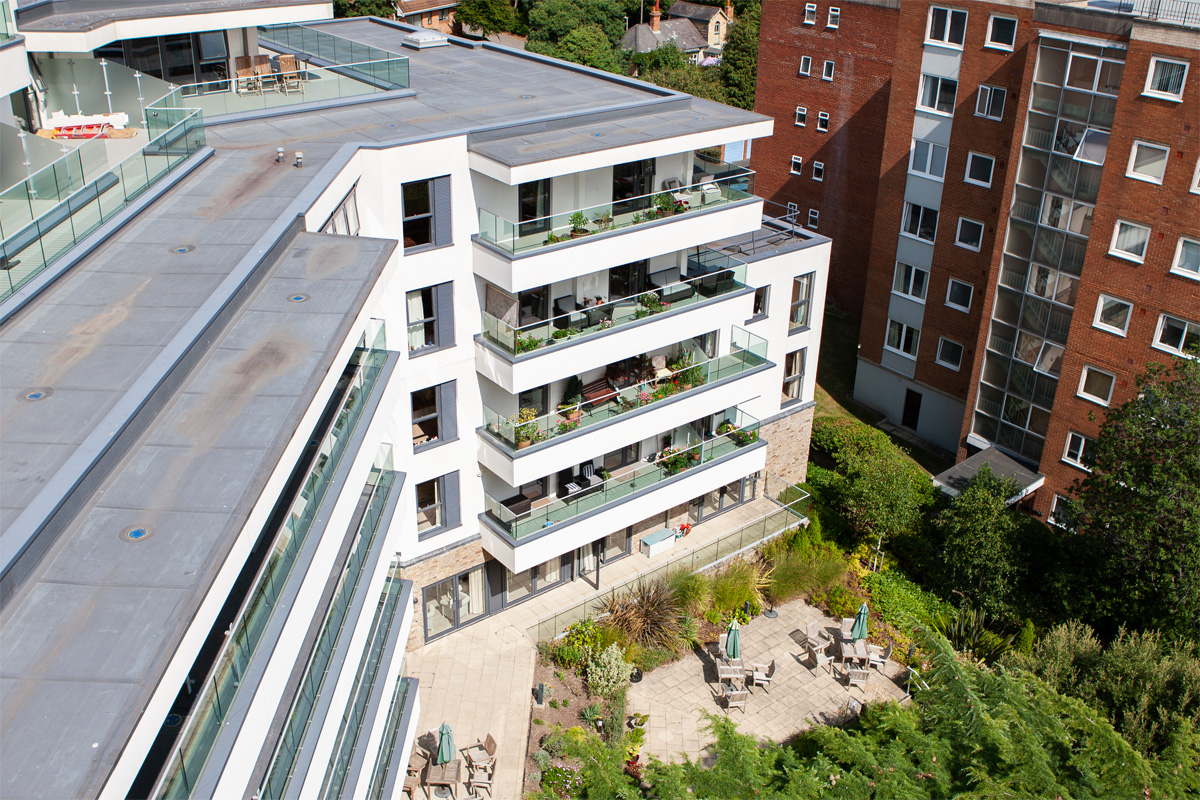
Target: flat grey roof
[
  {"x": 85, "y": 639},
  {"x": 65, "y": 16},
  {"x": 955, "y": 479},
  {"x": 85, "y": 644},
  {"x": 774, "y": 236}
]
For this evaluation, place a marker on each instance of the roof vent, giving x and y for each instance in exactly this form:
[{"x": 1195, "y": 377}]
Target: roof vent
[{"x": 423, "y": 38}]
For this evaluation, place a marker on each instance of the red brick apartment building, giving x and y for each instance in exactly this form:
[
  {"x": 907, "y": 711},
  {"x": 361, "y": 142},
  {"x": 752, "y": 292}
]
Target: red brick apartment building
[{"x": 1034, "y": 239}]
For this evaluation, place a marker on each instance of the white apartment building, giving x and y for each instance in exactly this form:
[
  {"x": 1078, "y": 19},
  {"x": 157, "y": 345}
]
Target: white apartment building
[{"x": 371, "y": 345}]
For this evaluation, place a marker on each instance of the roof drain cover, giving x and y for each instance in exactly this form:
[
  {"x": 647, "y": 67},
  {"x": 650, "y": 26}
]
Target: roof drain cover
[
  {"x": 137, "y": 533},
  {"x": 35, "y": 394},
  {"x": 181, "y": 249}
]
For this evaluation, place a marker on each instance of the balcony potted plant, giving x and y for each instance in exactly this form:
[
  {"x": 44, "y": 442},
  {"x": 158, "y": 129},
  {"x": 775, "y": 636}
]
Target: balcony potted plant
[
  {"x": 525, "y": 429},
  {"x": 571, "y": 405},
  {"x": 664, "y": 204},
  {"x": 604, "y": 220},
  {"x": 578, "y": 225}
]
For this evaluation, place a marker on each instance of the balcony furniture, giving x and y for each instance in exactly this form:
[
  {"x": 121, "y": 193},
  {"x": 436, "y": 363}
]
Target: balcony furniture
[
  {"x": 573, "y": 484},
  {"x": 816, "y": 635},
  {"x": 265, "y": 74},
  {"x": 657, "y": 542},
  {"x": 713, "y": 285},
  {"x": 710, "y": 193},
  {"x": 565, "y": 313},
  {"x": 411, "y": 784},
  {"x": 248, "y": 81},
  {"x": 820, "y": 658},
  {"x": 518, "y": 505},
  {"x": 289, "y": 75},
  {"x": 763, "y": 674},
  {"x": 242, "y": 62},
  {"x": 482, "y": 753},
  {"x": 856, "y": 650},
  {"x": 447, "y": 775},
  {"x": 659, "y": 365},
  {"x": 598, "y": 391},
  {"x": 879, "y": 657},
  {"x": 735, "y": 698},
  {"x": 480, "y": 777},
  {"x": 856, "y": 676},
  {"x": 847, "y": 627},
  {"x": 260, "y": 60}
]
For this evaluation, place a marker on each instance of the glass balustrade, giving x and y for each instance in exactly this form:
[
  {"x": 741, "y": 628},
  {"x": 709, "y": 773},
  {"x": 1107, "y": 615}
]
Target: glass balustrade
[
  {"x": 322, "y": 44},
  {"x": 532, "y": 234},
  {"x": 737, "y": 432},
  {"x": 722, "y": 276},
  {"x": 517, "y": 433}
]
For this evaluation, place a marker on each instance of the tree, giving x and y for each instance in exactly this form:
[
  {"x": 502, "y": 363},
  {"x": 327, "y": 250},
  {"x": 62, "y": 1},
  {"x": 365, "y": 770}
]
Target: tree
[
  {"x": 551, "y": 21},
  {"x": 588, "y": 46},
  {"x": 364, "y": 8},
  {"x": 701, "y": 81},
  {"x": 739, "y": 61},
  {"x": 1139, "y": 508},
  {"x": 978, "y": 549},
  {"x": 486, "y": 17}
]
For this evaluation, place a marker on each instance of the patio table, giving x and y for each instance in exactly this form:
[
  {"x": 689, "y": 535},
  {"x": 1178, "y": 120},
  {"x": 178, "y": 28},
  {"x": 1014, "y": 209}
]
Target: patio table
[
  {"x": 856, "y": 650},
  {"x": 446, "y": 775}
]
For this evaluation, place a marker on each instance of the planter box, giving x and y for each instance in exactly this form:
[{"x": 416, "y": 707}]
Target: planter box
[{"x": 658, "y": 542}]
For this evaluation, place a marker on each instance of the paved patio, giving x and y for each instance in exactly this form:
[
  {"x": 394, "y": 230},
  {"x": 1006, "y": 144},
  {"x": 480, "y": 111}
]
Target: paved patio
[{"x": 799, "y": 697}]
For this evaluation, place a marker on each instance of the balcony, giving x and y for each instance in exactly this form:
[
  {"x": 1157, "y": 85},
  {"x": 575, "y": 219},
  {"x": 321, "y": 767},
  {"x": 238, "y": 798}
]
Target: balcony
[
  {"x": 738, "y": 432},
  {"x": 691, "y": 197},
  {"x": 711, "y": 275}
]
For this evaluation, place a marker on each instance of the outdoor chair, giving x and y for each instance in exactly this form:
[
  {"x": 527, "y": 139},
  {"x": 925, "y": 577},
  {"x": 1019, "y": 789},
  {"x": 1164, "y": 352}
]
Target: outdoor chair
[
  {"x": 482, "y": 753},
  {"x": 816, "y": 634},
  {"x": 721, "y": 645},
  {"x": 820, "y": 658},
  {"x": 289, "y": 75},
  {"x": 480, "y": 775},
  {"x": 879, "y": 657},
  {"x": 763, "y": 674},
  {"x": 847, "y": 628},
  {"x": 736, "y": 698},
  {"x": 248, "y": 80},
  {"x": 857, "y": 676}
]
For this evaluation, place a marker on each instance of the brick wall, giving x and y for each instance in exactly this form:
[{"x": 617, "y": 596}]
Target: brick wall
[{"x": 857, "y": 102}]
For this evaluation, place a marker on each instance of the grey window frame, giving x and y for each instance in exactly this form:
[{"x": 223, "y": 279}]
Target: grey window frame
[
  {"x": 448, "y": 501},
  {"x": 762, "y": 299},
  {"x": 439, "y": 215},
  {"x": 345, "y": 210},
  {"x": 793, "y": 379},
  {"x": 801, "y": 306},
  {"x": 445, "y": 411},
  {"x": 442, "y": 302}
]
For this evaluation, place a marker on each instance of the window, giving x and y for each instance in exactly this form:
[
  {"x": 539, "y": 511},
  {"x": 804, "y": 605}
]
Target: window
[
  {"x": 818, "y": 170},
  {"x": 1002, "y": 33},
  {"x": 902, "y": 338},
  {"x": 430, "y": 317},
  {"x": 418, "y": 214},
  {"x": 1176, "y": 335},
  {"x": 919, "y": 221},
  {"x": 946, "y": 26},
  {"x": 1166, "y": 78},
  {"x": 533, "y": 207},
  {"x": 979, "y": 169},
  {"x": 437, "y": 505},
  {"x": 1129, "y": 241},
  {"x": 970, "y": 234},
  {"x": 937, "y": 94},
  {"x": 958, "y": 295},
  {"x": 910, "y": 281},
  {"x": 990, "y": 102},
  {"x": 717, "y": 28},
  {"x": 632, "y": 185},
  {"x": 344, "y": 220},
  {"x": 1079, "y": 451},
  {"x": 810, "y": 13},
  {"x": 760, "y": 300},
  {"x": 1112, "y": 315},
  {"x": 434, "y": 416},
  {"x": 797, "y": 165},
  {"x": 814, "y": 217},
  {"x": 927, "y": 159},
  {"x": 822, "y": 121},
  {"x": 1196, "y": 179},
  {"x": 949, "y": 354},
  {"x": 1060, "y": 513},
  {"x": 793, "y": 376},
  {"x": 1147, "y": 162},
  {"x": 443, "y": 14},
  {"x": 793, "y": 211},
  {"x": 801, "y": 116},
  {"x": 827, "y": 71},
  {"x": 801, "y": 297},
  {"x": 1096, "y": 385},
  {"x": 835, "y": 17},
  {"x": 1187, "y": 258},
  {"x": 805, "y": 65}
]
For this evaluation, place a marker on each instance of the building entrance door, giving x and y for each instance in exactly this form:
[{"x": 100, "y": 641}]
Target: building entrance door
[{"x": 912, "y": 409}]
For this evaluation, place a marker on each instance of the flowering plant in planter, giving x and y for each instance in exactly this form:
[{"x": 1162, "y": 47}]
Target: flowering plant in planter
[{"x": 605, "y": 324}]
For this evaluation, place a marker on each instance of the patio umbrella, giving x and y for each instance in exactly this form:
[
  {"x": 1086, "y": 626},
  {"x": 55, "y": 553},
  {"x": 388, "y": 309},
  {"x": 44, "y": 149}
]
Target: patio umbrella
[
  {"x": 733, "y": 642},
  {"x": 445, "y": 751},
  {"x": 859, "y": 631}
]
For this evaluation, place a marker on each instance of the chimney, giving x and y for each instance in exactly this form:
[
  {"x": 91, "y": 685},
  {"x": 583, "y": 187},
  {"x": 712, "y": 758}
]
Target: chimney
[
  {"x": 655, "y": 17},
  {"x": 729, "y": 10}
]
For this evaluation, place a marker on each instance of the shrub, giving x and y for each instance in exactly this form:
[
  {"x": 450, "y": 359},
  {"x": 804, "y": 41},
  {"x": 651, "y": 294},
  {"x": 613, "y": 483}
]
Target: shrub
[
  {"x": 1026, "y": 638},
  {"x": 541, "y": 760},
  {"x": 693, "y": 591},
  {"x": 801, "y": 563},
  {"x": 535, "y": 775},
  {"x": 608, "y": 671},
  {"x": 583, "y": 634},
  {"x": 737, "y": 583},
  {"x": 689, "y": 633},
  {"x": 591, "y": 713},
  {"x": 569, "y": 655},
  {"x": 967, "y": 631},
  {"x": 648, "y": 615},
  {"x": 614, "y": 716},
  {"x": 839, "y": 601},
  {"x": 651, "y": 658},
  {"x": 895, "y": 598},
  {"x": 563, "y": 780}
]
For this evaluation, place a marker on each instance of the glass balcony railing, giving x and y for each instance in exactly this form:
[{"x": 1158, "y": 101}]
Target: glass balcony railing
[
  {"x": 534, "y": 234},
  {"x": 722, "y": 275},
  {"x": 517, "y": 434},
  {"x": 737, "y": 432},
  {"x": 207, "y": 717},
  {"x": 45, "y": 215},
  {"x": 322, "y": 44}
]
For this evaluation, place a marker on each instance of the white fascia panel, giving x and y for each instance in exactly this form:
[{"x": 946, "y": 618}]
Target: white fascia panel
[
  {"x": 559, "y": 361},
  {"x": 569, "y": 537},
  {"x": 602, "y": 250},
  {"x": 86, "y": 41},
  {"x": 556, "y": 454},
  {"x": 618, "y": 155},
  {"x": 14, "y": 69}
]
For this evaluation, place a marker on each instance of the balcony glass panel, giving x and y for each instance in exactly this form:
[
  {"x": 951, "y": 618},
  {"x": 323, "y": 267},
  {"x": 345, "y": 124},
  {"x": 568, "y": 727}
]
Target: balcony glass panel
[
  {"x": 688, "y": 380},
  {"x": 738, "y": 432},
  {"x": 737, "y": 185},
  {"x": 712, "y": 275}
]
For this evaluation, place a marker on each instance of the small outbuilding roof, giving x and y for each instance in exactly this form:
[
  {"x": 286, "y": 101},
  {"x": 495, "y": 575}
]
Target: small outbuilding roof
[
  {"x": 955, "y": 479},
  {"x": 679, "y": 32}
]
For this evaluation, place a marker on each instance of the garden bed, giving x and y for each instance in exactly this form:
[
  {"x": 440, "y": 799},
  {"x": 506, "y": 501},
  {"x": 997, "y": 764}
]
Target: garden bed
[{"x": 569, "y": 687}]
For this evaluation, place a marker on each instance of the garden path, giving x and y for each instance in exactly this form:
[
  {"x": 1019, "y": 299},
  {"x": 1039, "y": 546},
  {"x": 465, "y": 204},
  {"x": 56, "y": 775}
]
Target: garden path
[{"x": 677, "y": 694}]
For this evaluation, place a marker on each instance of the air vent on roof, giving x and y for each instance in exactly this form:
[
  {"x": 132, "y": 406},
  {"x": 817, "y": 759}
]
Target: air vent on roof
[{"x": 423, "y": 38}]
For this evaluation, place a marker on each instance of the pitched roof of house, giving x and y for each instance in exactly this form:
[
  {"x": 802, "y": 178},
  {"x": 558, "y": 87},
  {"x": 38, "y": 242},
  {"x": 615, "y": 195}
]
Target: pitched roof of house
[
  {"x": 693, "y": 10},
  {"x": 680, "y": 32}
]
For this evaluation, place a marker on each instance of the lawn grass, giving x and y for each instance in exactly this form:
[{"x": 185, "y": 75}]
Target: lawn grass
[{"x": 835, "y": 385}]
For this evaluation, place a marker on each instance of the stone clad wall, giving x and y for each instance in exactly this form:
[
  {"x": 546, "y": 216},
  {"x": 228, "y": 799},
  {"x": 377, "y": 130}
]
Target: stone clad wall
[{"x": 788, "y": 436}]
